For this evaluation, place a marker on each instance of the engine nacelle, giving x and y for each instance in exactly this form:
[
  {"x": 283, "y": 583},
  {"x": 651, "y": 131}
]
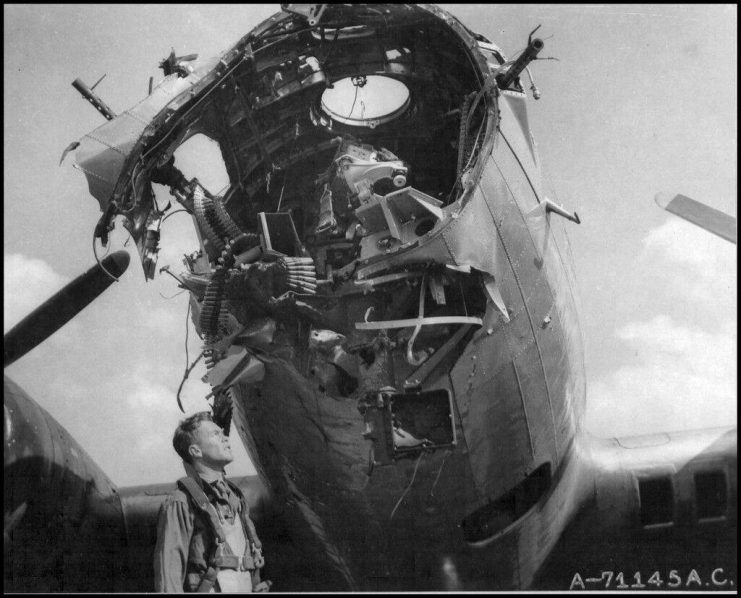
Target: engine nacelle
[{"x": 64, "y": 529}]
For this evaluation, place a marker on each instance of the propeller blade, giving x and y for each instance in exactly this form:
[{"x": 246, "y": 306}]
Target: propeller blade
[
  {"x": 59, "y": 309},
  {"x": 710, "y": 219}
]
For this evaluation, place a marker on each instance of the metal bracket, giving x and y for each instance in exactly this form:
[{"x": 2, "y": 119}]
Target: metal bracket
[
  {"x": 312, "y": 12},
  {"x": 551, "y": 206}
]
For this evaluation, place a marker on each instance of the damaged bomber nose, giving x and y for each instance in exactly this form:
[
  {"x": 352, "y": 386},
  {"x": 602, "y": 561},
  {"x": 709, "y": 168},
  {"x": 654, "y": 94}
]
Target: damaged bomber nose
[
  {"x": 350, "y": 151},
  {"x": 364, "y": 285}
]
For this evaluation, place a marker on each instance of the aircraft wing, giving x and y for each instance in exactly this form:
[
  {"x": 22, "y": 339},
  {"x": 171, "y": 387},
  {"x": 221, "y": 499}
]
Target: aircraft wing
[
  {"x": 289, "y": 564},
  {"x": 67, "y": 526},
  {"x": 662, "y": 506},
  {"x": 140, "y": 507}
]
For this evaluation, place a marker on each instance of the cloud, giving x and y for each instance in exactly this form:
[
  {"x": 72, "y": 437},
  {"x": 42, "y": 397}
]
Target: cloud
[
  {"x": 674, "y": 370},
  {"x": 28, "y": 283},
  {"x": 150, "y": 409},
  {"x": 151, "y": 413},
  {"x": 682, "y": 242},
  {"x": 662, "y": 334},
  {"x": 699, "y": 265},
  {"x": 685, "y": 378}
]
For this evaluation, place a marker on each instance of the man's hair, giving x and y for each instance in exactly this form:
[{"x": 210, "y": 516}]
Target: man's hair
[{"x": 185, "y": 434}]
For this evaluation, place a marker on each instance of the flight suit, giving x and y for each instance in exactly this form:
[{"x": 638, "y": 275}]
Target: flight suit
[{"x": 185, "y": 541}]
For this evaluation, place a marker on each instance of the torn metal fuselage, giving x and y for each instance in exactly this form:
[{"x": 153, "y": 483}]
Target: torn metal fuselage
[{"x": 372, "y": 286}]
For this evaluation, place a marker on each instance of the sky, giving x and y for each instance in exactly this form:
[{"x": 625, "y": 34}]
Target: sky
[{"x": 642, "y": 99}]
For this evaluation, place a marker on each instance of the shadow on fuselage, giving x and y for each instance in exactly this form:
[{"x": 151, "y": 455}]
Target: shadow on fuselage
[{"x": 63, "y": 542}]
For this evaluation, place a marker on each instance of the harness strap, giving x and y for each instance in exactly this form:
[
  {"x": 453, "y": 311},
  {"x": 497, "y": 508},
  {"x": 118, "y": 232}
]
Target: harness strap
[
  {"x": 258, "y": 561},
  {"x": 249, "y": 527},
  {"x": 238, "y": 563},
  {"x": 208, "y": 580},
  {"x": 252, "y": 560},
  {"x": 194, "y": 490}
]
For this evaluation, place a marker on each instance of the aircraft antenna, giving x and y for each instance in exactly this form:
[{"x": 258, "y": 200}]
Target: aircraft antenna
[{"x": 98, "y": 81}]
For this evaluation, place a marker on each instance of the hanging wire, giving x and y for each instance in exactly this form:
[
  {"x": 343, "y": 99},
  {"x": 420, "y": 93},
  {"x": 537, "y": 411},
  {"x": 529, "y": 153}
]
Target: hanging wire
[
  {"x": 97, "y": 259},
  {"x": 224, "y": 189},
  {"x": 475, "y": 143},
  {"x": 107, "y": 251},
  {"x": 282, "y": 189},
  {"x": 187, "y": 330},
  {"x": 188, "y": 368},
  {"x": 185, "y": 377},
  {"x": 408, "y": 487},
  {"x": 175, "y": 295},
  {"x": 437, "y": 478},
  {"x": 355, "y": 99},
  {"x": 329, "y": 52},
  {"x": 288, "y": 165},
  {"x": 171, "y": 213}
]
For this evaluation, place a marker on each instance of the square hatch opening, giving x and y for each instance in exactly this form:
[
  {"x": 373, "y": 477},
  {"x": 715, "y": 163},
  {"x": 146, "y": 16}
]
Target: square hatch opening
[{"x": 407, "y": 423}]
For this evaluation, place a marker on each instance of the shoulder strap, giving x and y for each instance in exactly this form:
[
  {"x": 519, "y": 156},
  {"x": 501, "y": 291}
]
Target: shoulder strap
[
  {"x": 249, "y": 527},
  {"x": 194, "y": 490}
]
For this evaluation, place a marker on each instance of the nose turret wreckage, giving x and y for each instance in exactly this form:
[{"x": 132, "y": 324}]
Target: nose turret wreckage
[{"x": 382, "y": 292}]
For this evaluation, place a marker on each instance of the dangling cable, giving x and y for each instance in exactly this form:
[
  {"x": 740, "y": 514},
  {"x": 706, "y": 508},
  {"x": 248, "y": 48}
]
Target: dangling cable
[
  {"x": 408, "y": 487},
  {"x": 97, "y": 259},
  {"x": 185, "y": 377},
  {"x": 288, "y": 165},
  {"x": 187, "y": 330},
  {"x": 188, "y": 368},
  {"x": 357, "y": 87},
  {"x": 173, "y": 297},
  {"x": 437, "y": 478},
  {"x": 175, "y": 212}
]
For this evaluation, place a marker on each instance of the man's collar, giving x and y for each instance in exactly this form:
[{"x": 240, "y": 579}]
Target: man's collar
[
  {"x": 208, "y": 476},
  {"x": 211, "y": 476}
]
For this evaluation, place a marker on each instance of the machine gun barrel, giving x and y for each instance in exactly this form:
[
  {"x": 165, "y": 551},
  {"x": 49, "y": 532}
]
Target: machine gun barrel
[
  {"x": 91, "y": 97},
  {"x": 505, "y": 79}
]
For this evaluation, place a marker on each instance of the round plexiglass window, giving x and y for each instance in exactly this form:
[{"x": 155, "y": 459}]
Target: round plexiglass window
[{"x": 365, "y": 100}]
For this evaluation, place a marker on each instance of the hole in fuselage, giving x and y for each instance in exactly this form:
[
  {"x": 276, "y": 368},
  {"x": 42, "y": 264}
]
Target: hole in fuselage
[
  {"x": 424, "y": 227},
  {"x": 200, "y": 156}
]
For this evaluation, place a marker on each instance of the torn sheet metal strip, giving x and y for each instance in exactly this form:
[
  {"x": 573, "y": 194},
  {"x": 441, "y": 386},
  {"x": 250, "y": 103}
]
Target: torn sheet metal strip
[
  {"x": 411, "y": 359},
  {"x": 379, "y": 280},
  {"x": 421, "y": 373},
  {"x": 437, "y": 290},
  {"x": 412, "y": 322},
  {"x": 391, "y": 221},
  {"x": 495, "y": 294},
  {"x": 239, "y": 366},
  {"x": 428, "y": 202}
]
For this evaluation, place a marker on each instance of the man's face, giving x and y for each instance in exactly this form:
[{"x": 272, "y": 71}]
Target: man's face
[{"x": 212, "y": 446}]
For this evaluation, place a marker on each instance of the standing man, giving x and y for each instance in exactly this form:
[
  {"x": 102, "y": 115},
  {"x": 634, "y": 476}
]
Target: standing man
[{"x": 206, "y": 541}]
